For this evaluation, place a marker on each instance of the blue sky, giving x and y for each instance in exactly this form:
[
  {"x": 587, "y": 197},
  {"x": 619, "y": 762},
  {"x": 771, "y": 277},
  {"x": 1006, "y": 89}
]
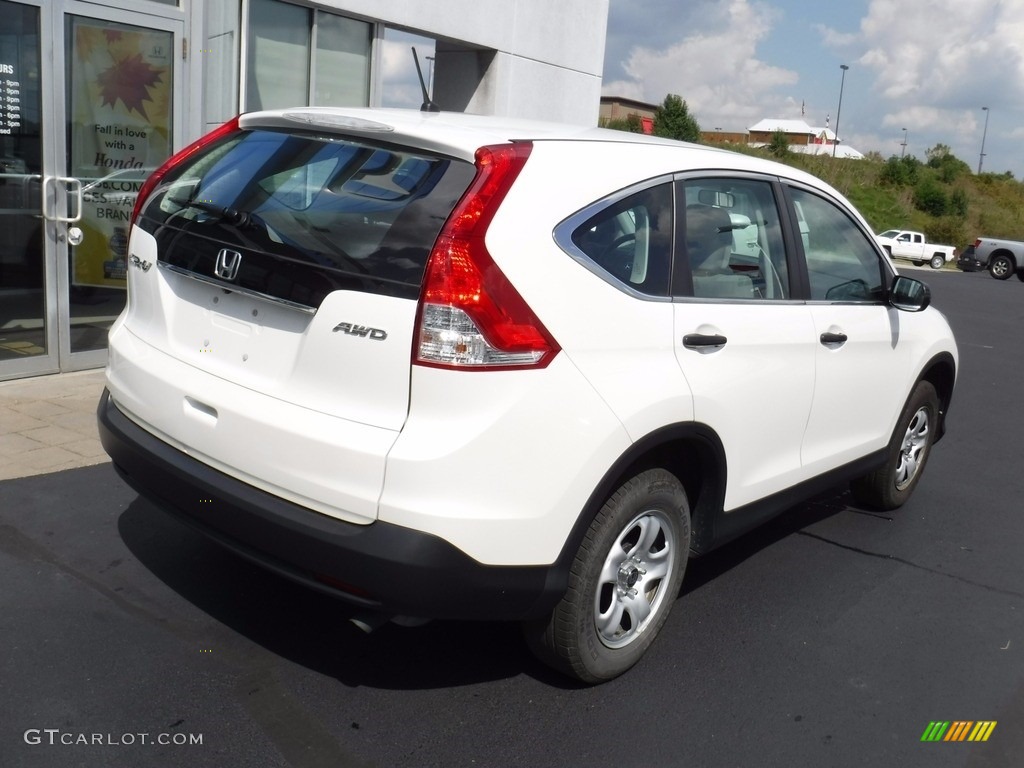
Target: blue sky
[{"x": 928, "y": 67}]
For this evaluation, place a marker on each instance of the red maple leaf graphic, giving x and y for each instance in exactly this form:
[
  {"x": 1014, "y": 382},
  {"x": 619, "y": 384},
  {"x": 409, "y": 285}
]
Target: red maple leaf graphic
[
  {"x": 128, "y": 80},
  {"x": 112, "y": 35}
]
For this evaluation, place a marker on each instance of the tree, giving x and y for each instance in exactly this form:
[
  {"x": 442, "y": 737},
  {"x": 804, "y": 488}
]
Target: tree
[
  {"x": 779, "y": 145},
  {"x": 672, "y": 120},
  {"x": 930, "y": 197},
  {"x": 901, "y": 171},
  {"x": 949, "y": 166}
]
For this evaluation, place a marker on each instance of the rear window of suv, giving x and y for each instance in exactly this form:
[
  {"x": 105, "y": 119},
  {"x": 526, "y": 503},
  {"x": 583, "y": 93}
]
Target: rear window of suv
[{"x": 308, "y": 214}]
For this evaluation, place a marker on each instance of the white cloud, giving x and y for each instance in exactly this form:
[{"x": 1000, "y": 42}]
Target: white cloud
[
  {"x": 944, "y": 51},
  {"x": 936, "y": 64},
  {"x": 716, "y": 70}
]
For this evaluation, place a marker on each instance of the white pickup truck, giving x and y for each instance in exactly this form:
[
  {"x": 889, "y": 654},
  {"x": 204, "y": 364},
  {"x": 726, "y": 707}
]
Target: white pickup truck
[{"x": 904, "y": 244}]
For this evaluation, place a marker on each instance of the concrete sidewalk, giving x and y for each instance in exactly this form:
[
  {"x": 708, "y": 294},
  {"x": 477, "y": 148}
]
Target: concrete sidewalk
[{"x": 48, "y": 423}]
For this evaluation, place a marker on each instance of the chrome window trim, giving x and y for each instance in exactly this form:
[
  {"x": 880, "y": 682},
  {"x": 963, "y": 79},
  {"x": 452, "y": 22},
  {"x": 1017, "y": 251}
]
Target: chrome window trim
[
  {"x": 232, "y": 288},
  {"x": 563, "y": 231}
]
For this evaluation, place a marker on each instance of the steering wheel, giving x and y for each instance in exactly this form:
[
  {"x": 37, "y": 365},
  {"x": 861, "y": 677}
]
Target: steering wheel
[{"x": 620, "y": 267}]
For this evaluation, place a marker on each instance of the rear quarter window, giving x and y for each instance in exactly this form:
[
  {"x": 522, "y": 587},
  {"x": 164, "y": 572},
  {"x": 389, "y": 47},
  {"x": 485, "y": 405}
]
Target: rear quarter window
[{"x": 630, "y": 241}]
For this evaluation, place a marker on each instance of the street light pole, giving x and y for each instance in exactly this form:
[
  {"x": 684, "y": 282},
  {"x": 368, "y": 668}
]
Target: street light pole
[
  {"x": 904, "y": 144},
  {"x": 839, "y": 111},
  {"x": 984, "y": 133}
]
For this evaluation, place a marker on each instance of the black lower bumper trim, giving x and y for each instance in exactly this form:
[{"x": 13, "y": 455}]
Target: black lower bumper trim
[{"x": 380, "y": 566}]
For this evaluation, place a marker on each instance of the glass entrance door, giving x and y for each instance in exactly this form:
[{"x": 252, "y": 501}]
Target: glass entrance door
[
  {"x": 78, "y": 135},
  {"x": 27, "y": 324},
  {"x": 119, "y": 119}
]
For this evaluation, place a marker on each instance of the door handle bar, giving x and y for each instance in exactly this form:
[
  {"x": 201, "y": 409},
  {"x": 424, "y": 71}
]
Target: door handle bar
[
  {"x": 73, "y": 187},
  {"x": 703, "y": 340}
]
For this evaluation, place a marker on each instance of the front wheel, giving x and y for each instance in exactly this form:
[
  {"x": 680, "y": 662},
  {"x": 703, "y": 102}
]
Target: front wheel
[
  {"x": 1001, "y": 267},
  {"x": 938, "y": 260},
  {"x": 917, "y": 263},
  {"x": 622, "y": 583},
  {"x": 890, "y": 486}
]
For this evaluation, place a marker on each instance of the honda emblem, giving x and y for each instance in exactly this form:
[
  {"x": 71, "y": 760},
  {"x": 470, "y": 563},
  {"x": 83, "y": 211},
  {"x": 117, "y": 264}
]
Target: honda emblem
[{"x": 227, "y": 265}]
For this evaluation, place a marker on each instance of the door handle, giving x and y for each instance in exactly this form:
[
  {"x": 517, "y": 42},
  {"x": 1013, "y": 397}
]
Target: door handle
[
  {"x": 73, "y": 187},
  {"x": 703, "y": 340},
  {"x": 833, "y": 338}
]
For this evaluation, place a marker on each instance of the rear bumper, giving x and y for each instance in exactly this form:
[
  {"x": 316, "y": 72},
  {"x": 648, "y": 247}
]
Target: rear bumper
[
  {"x": 380, "y": 567},
  {"x": 970, "y": 264}
]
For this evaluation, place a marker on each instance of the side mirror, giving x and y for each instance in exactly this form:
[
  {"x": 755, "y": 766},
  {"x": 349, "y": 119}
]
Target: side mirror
[{"x": 909, "y": 294}]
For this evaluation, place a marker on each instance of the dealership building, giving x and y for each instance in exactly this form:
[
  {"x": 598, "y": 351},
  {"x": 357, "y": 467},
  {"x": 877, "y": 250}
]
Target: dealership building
[{"x": 93, "y": 95}]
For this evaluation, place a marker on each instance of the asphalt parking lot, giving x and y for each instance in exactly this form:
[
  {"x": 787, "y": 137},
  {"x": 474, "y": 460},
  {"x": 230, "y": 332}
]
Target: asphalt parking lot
[{"x": 830, "y": 637}]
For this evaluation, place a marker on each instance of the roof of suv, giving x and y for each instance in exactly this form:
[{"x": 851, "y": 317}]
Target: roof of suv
[
  {"x": 458, "y": 134},
  {"x": 453, "y": 132}
]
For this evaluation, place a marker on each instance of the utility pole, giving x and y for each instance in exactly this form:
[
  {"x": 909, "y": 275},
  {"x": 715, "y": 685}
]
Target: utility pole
[{"x": 839, "y": 111}]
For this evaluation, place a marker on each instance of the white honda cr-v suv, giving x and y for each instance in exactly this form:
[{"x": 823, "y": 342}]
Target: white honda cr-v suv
[{"x": 452, "y": 366}]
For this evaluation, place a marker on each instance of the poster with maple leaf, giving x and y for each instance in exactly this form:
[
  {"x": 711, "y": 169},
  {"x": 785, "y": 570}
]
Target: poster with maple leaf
[{"x": 120, "y": 110}]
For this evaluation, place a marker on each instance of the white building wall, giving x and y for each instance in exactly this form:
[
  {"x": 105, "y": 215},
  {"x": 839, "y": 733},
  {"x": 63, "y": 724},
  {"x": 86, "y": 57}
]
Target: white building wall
[{"x": 548, "y": 54}]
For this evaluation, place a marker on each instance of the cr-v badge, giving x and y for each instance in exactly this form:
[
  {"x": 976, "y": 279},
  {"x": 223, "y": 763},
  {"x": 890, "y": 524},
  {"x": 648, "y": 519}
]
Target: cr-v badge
[
  {"x": 227, "y": 265},
  {"x": 137, "y": 262},
  {"x": 351, "y": 329}
]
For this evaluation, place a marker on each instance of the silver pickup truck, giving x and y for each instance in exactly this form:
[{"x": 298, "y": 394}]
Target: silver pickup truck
[{"x": 1001, "y": 258}]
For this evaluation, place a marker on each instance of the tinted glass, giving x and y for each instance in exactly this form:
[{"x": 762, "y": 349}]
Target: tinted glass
[
  {"x": 733, "y": 241},
  {"x": 631, "y": 240},
  {"x": 308, "y": 214},
  {"x": 842, "y": 264}
]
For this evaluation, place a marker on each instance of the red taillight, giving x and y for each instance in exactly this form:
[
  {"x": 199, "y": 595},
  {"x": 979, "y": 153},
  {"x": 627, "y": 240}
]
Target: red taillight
[
  {"x": 470, "y": 316},
  {"x": 154, "y": 178},
  {"x": 977, "y": 243}
]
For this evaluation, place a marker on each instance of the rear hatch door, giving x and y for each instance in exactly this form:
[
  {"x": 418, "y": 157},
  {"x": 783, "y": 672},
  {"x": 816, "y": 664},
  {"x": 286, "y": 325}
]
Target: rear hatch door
[{"x": 290, "y": 262}]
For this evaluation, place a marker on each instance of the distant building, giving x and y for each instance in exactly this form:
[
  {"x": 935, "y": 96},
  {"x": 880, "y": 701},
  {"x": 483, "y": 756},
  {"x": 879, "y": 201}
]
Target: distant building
[
  {"x": 801, "y": 137},
  {"x": 616, "y": 108}
]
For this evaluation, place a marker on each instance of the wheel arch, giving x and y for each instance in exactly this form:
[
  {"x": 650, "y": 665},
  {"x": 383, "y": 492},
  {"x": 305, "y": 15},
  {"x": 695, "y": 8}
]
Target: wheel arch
[
  {"x": 690, "y": 451},
  {"x": 1004, "y": 252},
  {"x": 940, "y": 372}
]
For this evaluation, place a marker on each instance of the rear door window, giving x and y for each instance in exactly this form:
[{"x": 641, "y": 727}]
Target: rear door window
[
  {"x": 307, "y": 214},
  {"x": 732, "y": 240}
]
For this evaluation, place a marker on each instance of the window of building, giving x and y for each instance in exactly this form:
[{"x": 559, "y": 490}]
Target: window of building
[
  {"x": 342, "y": 61},
  {"x": 298, "y": 56},
  {"x": 220, "y": 53},
  {"x": 399, "y": 84}
]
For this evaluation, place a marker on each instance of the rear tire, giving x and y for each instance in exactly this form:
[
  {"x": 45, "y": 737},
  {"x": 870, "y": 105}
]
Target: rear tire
[
  {"x": 622, "y": 583},
  {"x": 890, "y": 486},
  {"x": 1001, "y": 267},
  {"x": 938, "y": 261}
]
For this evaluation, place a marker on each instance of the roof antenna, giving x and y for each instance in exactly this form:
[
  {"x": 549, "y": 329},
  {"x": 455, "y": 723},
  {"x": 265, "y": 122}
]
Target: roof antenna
[{"x": 427, "y": 105}]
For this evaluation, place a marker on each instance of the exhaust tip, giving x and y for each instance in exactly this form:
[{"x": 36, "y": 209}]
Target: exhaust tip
[{"x": 370, "y": 621}]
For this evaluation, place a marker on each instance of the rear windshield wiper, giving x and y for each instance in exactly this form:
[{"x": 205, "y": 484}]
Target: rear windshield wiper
[{"x": 240, "y": 219}]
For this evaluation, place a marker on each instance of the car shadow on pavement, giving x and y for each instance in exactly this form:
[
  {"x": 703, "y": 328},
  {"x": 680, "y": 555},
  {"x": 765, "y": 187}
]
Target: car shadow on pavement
[
  {"x": 701, "y": 570},
  {"x": 256, "y": 611},
  {"x": 310, "y": 628}
]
